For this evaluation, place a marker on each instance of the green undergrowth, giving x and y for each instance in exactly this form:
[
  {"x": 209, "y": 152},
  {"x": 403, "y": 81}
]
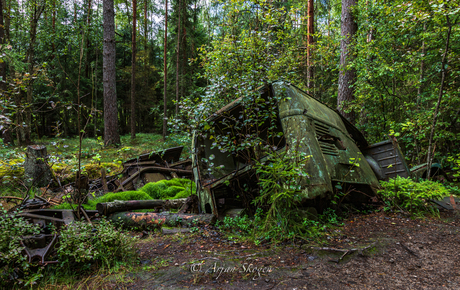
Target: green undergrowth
[
  {"x": 63, "y": 156},
  {"x": 83, "y": 248},
  {"x": 163, "y": 189},
  {"x": 311, "y": 227},
  {"x": 405, "y": 194}
]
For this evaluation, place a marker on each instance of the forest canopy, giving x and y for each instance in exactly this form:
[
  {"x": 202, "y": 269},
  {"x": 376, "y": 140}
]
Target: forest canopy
[{"x": 391, "y": 67}]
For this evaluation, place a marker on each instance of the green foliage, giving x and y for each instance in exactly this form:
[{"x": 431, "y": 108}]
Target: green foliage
[
  {"x": 281, "y": 178},
  {"x": 243, "y": 57},
  {"x": 455, "y": 160},
  {"x": 399, "y": 48},
  {"x": 82, "y": 243},
  {"x": 13, "y": 262},
  {"x": 405, "y": 194},
  {"x": 309, "y": 227},
  {"x": 242, "y": 224},
  {"x": 316, "y": 228}
]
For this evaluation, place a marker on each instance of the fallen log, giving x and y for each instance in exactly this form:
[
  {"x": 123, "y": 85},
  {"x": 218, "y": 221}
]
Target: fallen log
[
  {"x": 107, "y": 208},
  {"x": 150, "y": 220}
]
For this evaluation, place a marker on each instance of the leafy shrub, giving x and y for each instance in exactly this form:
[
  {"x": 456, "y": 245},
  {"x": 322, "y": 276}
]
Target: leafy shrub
[
  {"x": 406, "y": 194},
  {"x": 81, "y": 243},
  {"x": 13, "y": 263},
  {"x": 455, "y": 160},
  {"x": 307, "y": 227},
  {"x": 239, "y": 223},
  {"x": 280, "y": 181}
]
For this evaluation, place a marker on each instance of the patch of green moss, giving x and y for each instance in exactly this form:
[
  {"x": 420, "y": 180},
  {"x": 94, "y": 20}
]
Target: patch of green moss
[
  {"x": 124, "y": 195},
  {"x": 13, "y": 167},
  {"x": 170, "y": 189},
  {"x": 163, "y": 189}
]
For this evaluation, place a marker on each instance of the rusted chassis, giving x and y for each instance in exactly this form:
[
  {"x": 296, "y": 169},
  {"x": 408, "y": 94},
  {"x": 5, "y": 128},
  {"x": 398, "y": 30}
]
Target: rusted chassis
[{"x": 339, "y": 152}]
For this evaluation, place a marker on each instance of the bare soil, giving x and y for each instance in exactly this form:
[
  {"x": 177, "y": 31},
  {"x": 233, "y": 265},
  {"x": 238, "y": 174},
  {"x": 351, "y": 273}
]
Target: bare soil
[{"x": 399, "y": 253}]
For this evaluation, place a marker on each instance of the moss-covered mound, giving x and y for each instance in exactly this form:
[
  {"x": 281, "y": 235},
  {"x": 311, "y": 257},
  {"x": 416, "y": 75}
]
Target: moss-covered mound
[
  {"x": 163, "y": 189},
  {"x": 170, "y": 189}
]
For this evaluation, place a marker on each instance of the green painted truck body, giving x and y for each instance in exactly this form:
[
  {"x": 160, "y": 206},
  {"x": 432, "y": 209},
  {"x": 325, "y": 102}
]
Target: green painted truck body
[{"x": 334, "y": 144}]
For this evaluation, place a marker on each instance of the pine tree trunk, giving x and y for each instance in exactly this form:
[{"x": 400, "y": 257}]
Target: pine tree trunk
[
  {"x": 37, "y": 11},
  {"x": 111, "y": 135},
  {"x": 347, "y": 76},
  {"x": 438, "y": 104},
  {"x": 147, "y": 58},
  {"x": 133, "y": 74},
  {"x": 178, "y": 57},
  {"x": 310, "y": 41},
  {"x": 7, "y": 137},
  {"x": 165, "y": 71},
  {"x": 88, "y": 24}
]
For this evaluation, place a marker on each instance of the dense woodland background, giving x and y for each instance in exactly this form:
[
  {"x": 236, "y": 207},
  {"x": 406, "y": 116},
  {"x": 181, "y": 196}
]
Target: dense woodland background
[{"x": 391, "y": 67}]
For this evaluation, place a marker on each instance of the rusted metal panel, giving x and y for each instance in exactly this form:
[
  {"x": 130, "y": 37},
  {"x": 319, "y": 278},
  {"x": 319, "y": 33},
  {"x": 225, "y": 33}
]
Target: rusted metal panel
[
  {"x": 325, "y": 136},
  {"x": 170, "y": 155},
  {"x": 389, "y": 158}
]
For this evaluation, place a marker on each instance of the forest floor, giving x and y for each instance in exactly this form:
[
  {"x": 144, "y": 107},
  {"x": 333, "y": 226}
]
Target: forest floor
[{"x": 399, "y": 253}]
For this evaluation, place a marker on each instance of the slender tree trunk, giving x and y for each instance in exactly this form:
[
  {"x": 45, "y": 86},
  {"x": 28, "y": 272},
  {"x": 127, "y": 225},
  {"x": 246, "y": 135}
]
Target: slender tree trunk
[
  {"x": 53, "y": 25},
  {"x": 2, "y": 41},
  {"x": 37, "y": 11},
  {"x": 75, "y": 12},
  {"x": 184, "y": 59},
  {"x": 429, "y": 157},
  {"x": 422, "y": 71},
  {"x": 347, "y": 76},
  {"x": 133, "y": 74},
  {"x": 7, "y": 20},
  {"x": 178, "y": 57},
  {"x": 88, "y": 25},
  {"x": 165, "y": 71},
  {"x": 147, "y": 54},
  {"x": 95, "y": 92},
  {"x": 111, "y": 135},
  {"x": 96, "y": 83},
  {"x": 310, "y": 41},
  {"x": 6, "y": 130}
]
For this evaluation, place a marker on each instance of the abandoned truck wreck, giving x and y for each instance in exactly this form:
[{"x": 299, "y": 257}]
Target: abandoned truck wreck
[{"x": 338, "y": 152}]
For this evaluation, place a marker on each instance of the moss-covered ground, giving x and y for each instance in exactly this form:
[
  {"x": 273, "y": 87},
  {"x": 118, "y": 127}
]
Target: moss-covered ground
[{"x": 63, "y": 157}]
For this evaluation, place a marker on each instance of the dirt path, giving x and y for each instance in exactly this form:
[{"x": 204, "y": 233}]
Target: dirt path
[{"x": 401, "y": 254}]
